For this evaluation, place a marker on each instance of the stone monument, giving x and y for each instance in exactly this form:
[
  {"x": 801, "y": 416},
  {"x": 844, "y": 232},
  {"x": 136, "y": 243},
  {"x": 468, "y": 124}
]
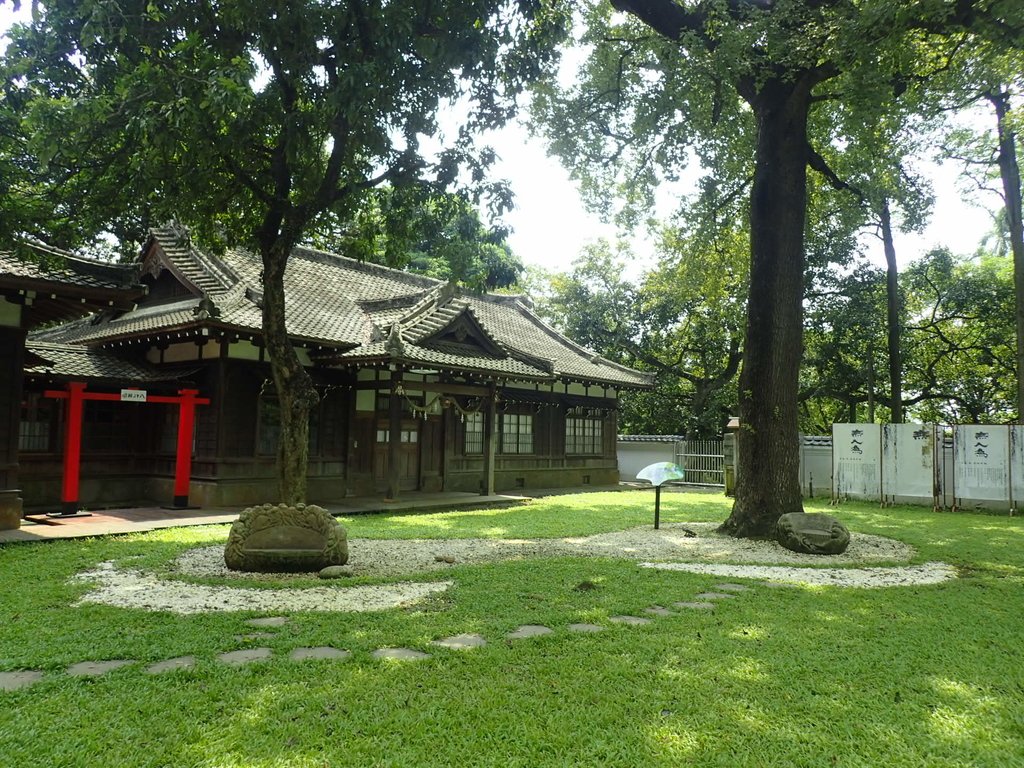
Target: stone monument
[{"x": 285, "y": 538}]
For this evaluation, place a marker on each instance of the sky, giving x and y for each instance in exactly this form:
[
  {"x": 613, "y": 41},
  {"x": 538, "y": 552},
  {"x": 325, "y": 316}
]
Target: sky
[{"x": 550, "y": 225}]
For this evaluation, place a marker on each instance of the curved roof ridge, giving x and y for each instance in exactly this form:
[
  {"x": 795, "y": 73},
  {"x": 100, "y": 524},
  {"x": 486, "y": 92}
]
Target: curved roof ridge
[
  {"x": 326, "y": 257},
  {"x": 437, "y": 297},
  {"x": 177, "y": 245},
  {"x": 73, "y": 265},
  {"x": 529, "y": 313},
  {"x": 589, "y": 354}
]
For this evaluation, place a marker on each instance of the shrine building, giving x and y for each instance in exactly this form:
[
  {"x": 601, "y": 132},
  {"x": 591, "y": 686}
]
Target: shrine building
[{"x": 149, "y": 384}]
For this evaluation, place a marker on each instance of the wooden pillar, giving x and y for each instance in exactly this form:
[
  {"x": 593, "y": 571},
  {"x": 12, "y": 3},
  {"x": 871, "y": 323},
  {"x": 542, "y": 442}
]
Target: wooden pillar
[
  {"x": 352, "y": 448},
  {"x": 490, "y": 442},
  {"x": 72, "y": 448},
  {"x": 12, "y": 350},
  {"x": 183, "y": 457},
  {"x": 220, "y": 382},
  {"x": 394, "y": 434}
]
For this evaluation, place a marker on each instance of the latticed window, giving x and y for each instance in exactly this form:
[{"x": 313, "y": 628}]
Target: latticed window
[
  {"x": 105, "y": 426},
  {"x": 168, "y": 430},
  {"x": 473, "y": 436},
  {"x": 407, "y": 435},
  {"x": 37, "y": 420},
  {"x": 268, "y": 425},
  {"x": 516, "y": 433},
  {"x": 584, "y": 434}
]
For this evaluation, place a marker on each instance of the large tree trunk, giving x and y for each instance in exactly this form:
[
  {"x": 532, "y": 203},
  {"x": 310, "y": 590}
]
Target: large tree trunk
[
  {"x": 295, "y": 392},
  {"x": 894, "y": 305},
  {"x": 1009, "y": 171},
  {"x": 768, "y": 482}
]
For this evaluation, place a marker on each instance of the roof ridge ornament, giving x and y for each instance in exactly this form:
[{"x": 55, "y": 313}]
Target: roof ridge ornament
[
  {"x": 445, "y": 293},
  {"x": 394, "y": 345},
  {"x": 206, "y": 309}
]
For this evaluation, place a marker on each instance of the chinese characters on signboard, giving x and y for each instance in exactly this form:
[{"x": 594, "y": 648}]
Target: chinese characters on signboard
[
  {"x": 908, "y": 460},
  {"x": 856, "y": 459},
  {"x": 981, "y": 462}
]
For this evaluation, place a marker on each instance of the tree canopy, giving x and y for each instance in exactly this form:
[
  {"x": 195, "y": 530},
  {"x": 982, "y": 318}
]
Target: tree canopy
[
  {"x": 682, "y": 320},
  {"x": 254, "y": 123},
  {"x": 757, "y": 92}
]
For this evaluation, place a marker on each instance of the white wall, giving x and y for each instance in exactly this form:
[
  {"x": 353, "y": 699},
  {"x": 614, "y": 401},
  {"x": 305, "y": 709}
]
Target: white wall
[{"x": 634, "y": 456}]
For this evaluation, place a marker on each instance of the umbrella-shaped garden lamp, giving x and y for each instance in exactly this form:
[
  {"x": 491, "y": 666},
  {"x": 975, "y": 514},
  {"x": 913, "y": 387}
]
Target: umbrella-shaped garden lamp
[{"x": 658, "y": 474}]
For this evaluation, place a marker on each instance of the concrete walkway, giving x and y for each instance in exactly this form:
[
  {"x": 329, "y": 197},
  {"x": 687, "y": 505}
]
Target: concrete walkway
[{"x": 113, "y": 521}]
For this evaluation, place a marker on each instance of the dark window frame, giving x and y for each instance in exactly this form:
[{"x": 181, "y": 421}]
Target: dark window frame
[
  {"x": 584, "y": 434},
  {"x": 517, "y": 437}
]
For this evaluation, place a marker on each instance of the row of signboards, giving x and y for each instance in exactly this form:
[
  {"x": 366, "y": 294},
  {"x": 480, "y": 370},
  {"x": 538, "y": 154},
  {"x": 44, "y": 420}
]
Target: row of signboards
[{"x": 907, "y": 461}]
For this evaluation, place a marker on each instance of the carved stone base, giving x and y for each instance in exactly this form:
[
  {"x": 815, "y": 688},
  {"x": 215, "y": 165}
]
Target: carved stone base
[
  {"x": 10, "y": 510},
  {"x": 812, "y": 534}
]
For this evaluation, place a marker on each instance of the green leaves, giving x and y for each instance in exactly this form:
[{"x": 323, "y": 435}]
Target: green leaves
[
  {"x": 229, "y": 110},
  {"x": 682, "y": 321}
]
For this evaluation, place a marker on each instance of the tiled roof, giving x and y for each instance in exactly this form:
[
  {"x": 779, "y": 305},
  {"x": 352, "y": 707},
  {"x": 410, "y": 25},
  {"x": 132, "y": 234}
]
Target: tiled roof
[
  {"x": 515, "y": 326},
  {"x": 138, "y": 322},
  {"x": 79, "y": 362},
  {"x": 352, "y": 307},
  {"x": 445, "y": 356},
  {"x": 64, "y": 268},
  {"x": 651, "y": 438},
  {"x": 208, "y": 274}
]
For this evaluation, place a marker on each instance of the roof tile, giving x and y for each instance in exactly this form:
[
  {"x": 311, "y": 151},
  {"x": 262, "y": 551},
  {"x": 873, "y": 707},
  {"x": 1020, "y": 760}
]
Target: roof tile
[{"x": 351, "y": 306}]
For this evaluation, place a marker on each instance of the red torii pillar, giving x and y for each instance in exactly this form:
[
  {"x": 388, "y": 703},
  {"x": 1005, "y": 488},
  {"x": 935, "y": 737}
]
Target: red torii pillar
[
  {"x": 187, "y": 402},
  {"x": 76, "y": 395}
]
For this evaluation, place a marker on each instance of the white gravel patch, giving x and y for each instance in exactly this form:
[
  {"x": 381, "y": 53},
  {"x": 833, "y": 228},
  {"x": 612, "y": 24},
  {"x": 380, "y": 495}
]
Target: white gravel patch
[
  {"x": 384, "y": 558},
  {"x": 133, "y": 589},
  {"x": 862, "y": 578},
  {"x": 690, "y": 547}
]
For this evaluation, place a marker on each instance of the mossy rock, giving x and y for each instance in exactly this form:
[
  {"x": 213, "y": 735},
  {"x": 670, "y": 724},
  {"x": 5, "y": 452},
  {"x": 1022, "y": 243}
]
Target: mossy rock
[{"x": 284, "y": 538}]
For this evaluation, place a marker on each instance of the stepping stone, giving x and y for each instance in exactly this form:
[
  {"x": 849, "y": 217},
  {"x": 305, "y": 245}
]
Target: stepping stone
[
  {"x": 529, "y": 630},
  {"x": 336, "y": 572},
  {"x": 696, "y": 606},
  {"x": 461, "y": 642},
  {"x": 255, "y": 636},
  {"x": 403, "y": 654},
  {"x": 319, "y": 652},
  {"x": 96, "y": 668},
  {"x": 12, "y": 681},
  {"x": 657, "y": 610},
  {"x": 268, "y": 621},
  {"x": 634, "y": 620},
  {"x": 181, "y": 662},
  {"x": 713, "y": 596},
  {"x": 732, "y": 587},
  {"x": 586, "y": 628},
  {"x": 244, "y": 656}
]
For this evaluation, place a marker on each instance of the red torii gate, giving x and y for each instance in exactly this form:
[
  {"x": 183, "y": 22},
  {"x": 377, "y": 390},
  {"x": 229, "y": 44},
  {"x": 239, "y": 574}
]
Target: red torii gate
[{"x": 186, "y": 400}]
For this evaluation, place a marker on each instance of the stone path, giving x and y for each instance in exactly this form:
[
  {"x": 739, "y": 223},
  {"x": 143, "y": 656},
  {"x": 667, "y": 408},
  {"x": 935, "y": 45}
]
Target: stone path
[{"x": 703, "y": 601}]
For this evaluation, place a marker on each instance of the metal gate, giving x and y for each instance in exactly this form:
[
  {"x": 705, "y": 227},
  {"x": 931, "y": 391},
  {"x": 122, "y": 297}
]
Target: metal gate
[{"x": 703, "y": 462}]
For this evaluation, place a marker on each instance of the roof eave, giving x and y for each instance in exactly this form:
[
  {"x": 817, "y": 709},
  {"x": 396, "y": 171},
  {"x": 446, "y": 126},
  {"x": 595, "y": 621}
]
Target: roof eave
[{"x": 408, "y": 362}]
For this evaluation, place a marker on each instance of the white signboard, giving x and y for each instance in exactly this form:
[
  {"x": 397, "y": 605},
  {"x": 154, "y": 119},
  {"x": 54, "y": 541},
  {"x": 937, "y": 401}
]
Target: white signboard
[
  {"x": 908, "y": 460},
  {"x": 1017, "y": 465},
  {"x": 856, "y": 461},
  {"x": 981, "y": 462},
  {"x": 133, "y": 395}
]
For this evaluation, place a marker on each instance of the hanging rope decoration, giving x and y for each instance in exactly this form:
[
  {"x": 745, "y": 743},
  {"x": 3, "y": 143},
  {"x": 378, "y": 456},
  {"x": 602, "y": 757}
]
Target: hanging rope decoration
[{"x": 446, "y": 401}]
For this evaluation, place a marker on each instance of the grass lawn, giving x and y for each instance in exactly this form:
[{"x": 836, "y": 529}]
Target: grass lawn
[{"x": 909, "y": 676}]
